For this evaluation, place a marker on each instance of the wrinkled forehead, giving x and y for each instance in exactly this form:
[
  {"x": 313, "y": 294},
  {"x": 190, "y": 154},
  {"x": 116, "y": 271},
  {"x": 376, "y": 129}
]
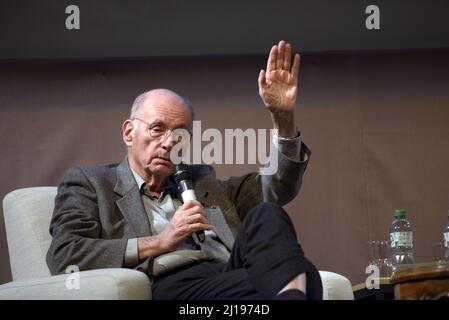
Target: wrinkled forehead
[{"x": 172, "y": 112}]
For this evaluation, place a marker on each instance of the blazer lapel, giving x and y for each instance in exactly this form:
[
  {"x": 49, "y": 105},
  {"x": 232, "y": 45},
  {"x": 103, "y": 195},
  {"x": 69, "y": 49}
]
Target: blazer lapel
[
  {"x": 222, "y": 230},
  {"x": 131, "y": 204},
  {"x": 217, "y": 219}
]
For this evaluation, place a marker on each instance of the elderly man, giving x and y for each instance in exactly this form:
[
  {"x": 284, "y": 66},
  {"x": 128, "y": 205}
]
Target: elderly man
[{"x": 131, "y": 214}]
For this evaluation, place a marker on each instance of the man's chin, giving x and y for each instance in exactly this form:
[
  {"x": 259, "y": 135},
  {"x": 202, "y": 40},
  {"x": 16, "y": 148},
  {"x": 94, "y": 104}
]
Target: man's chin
[{"x": 162, "y": 166}]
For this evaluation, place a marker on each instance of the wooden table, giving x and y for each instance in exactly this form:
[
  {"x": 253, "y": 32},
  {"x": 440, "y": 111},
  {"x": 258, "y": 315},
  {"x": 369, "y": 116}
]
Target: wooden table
[{"x": 423, "y": 281}]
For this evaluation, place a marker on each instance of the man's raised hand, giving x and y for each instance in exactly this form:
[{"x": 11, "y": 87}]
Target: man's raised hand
[{"x": 278, "y": 85}]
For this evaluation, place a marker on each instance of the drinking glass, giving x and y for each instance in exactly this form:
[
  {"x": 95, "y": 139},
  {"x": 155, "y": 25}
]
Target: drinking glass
[
  {"x": 379, "y": 253},
  {"x": 440, "y": 253}
]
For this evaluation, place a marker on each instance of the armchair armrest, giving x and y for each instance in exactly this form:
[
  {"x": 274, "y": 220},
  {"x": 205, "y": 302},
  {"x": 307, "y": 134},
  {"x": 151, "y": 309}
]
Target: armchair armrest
[
  {"x": 101, "y": 284},
  {"x": 336, "y": 286},
  {"x": 122, "y": 284}
]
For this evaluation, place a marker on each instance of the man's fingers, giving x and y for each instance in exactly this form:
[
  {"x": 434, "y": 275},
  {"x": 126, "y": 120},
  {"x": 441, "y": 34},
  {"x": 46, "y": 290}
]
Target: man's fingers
[
  {"x": 287, "y": 57},
  {"x": 190, "y": 208},
  {"x": 195, "y": 227},
  {"x": 190, "y": 204},
  {"x": 194, "y": 210},
  {"x": 262, "y": 80},
  {"x": 296, "y": 64},
  {"x": 271, "y": 64},
  {"x": 200, "y": 226},
  {"x": 197, "y": 218},
  {"x": 280, "y": 56}
]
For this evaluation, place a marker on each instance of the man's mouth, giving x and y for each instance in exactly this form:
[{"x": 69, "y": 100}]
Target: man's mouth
[{"x": 163, "y": 159}]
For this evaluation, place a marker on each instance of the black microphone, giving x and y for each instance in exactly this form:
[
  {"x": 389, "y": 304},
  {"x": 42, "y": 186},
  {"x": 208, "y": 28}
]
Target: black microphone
[{"x": 185, "y": 186}]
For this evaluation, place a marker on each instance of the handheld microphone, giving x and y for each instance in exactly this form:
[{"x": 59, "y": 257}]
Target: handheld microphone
[{"x": 185, "y": 186}]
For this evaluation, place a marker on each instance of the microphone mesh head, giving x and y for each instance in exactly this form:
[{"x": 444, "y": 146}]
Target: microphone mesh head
[{"x": 181, "y": 172}]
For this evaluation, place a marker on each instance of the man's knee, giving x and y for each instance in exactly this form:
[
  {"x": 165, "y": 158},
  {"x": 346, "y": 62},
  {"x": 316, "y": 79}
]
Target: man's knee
[{"x": 268, "y": 211}]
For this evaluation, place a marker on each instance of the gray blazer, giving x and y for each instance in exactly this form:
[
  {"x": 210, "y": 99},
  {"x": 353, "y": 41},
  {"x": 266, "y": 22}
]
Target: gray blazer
[{"x": 98, "y": 208}]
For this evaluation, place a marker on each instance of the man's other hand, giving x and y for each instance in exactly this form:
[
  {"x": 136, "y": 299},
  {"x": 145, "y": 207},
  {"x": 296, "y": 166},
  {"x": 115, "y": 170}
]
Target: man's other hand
[{"x": 278, "y": 87}]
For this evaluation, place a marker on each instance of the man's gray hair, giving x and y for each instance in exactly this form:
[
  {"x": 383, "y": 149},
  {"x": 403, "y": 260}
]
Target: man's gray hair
[{"x": 138, "y": 102}]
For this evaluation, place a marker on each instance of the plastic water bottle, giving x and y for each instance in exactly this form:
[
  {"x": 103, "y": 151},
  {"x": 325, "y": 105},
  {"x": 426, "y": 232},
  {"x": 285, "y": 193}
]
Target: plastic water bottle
[
  {"x": 401, "y": 240},
  {"x": 446, "y": 240}
]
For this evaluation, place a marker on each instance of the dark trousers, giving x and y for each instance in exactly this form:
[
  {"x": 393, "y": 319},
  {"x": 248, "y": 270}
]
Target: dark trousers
[{"x": 266, "y": 256}]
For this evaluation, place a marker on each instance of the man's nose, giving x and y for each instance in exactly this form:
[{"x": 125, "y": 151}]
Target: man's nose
[{"x": 167, "y": 141}]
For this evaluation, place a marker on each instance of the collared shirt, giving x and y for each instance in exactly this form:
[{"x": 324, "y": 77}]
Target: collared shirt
[{"x": 161, "y": 209}]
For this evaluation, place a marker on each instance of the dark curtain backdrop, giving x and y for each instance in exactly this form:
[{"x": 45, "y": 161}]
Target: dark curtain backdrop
[{"x": 377, "y": 124}]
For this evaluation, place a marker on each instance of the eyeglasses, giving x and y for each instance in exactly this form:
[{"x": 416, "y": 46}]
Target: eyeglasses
[{"x": 159, "y": 131}]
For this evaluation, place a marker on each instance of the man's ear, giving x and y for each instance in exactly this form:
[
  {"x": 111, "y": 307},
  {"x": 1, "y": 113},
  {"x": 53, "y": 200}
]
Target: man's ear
[{"x": 127, "y": 131}]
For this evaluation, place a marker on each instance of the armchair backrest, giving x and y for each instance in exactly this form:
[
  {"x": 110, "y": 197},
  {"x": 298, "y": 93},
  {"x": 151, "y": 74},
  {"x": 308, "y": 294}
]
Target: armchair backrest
[{"x": 27, "y": 214}]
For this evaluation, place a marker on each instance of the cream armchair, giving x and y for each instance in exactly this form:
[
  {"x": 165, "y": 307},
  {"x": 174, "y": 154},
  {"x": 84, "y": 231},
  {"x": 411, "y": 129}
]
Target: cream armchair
[{"x": 27, "y": 214}]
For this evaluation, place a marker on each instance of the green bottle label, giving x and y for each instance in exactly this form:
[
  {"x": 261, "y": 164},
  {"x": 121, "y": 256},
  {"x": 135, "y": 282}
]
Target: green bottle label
[{"x": 401, "y": 239}]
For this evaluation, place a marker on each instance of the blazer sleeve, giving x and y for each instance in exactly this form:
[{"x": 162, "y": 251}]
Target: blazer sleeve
[
  {"x": 76, "y": 229},
  {"x": 280, "y": 187}
]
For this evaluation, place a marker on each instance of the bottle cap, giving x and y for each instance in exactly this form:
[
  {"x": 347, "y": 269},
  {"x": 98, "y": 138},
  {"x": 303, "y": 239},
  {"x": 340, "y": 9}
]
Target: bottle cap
[{"x": 399, "y": 213}]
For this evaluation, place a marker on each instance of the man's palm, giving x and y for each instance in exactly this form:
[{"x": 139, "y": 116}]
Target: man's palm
[{"x": 278, "y": 86}]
